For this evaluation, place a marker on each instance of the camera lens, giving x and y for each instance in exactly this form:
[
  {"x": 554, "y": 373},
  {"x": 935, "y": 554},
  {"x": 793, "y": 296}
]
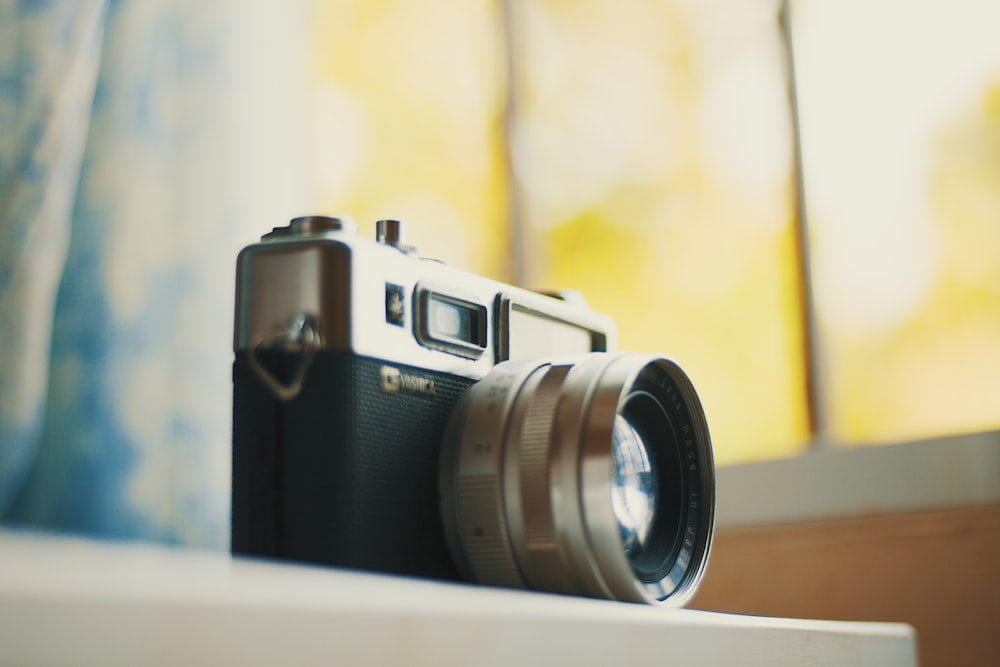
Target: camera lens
[{"x": 592, "y": 476}]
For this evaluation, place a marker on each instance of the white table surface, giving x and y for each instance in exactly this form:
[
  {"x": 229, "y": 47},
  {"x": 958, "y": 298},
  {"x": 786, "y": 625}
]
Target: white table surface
[{"x": 69, "y": 601}]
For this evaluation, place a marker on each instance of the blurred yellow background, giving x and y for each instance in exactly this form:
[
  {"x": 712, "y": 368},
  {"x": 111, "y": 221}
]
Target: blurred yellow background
[{"x": 641, "y": 152}]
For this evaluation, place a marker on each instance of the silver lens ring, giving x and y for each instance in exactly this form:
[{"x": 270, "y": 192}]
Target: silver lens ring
[{"x": 591, "y": 475}]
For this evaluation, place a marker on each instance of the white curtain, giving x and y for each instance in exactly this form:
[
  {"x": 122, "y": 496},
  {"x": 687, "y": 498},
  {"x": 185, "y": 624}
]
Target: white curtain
[{"x": 142, "y": 143}]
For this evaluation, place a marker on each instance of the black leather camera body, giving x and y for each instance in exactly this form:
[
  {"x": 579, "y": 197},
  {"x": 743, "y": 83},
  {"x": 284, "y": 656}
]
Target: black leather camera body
[{"x": 350, "y": 355}]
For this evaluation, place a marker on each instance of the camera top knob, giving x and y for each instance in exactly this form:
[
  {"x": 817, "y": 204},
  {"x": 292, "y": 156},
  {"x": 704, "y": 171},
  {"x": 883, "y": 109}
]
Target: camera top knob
[
  {"x": 313, "y": 224},
  {"x": 393, "y": 233},
  {"x": 317, "y": 224}
]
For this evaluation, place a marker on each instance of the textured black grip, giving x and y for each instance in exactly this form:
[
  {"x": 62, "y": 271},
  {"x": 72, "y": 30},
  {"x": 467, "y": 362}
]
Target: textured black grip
[{"x": 345, "y": 473}]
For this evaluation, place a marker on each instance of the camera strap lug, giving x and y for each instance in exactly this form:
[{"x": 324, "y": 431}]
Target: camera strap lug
[{"x": 302, "y": 336}]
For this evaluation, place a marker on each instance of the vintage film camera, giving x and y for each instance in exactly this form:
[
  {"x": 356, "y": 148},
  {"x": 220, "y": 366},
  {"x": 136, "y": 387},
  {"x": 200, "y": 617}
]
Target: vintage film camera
[{"x": 392, "y": 413}]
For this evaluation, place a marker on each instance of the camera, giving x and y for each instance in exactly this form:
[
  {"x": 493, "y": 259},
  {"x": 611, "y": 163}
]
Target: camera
[{"x": 393, "y": 413}]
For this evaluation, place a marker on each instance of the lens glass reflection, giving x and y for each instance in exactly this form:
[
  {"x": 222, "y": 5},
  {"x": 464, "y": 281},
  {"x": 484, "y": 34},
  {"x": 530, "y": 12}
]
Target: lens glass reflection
[{"x": 634, "y": 487}]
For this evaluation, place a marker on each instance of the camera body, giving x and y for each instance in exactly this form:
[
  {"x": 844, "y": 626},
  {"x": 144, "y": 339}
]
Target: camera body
[{"x": 349, "y": 357}]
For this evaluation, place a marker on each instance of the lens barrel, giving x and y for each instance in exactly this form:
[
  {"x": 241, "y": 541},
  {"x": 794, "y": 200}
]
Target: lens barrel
[{"x": 591, "y": 475}]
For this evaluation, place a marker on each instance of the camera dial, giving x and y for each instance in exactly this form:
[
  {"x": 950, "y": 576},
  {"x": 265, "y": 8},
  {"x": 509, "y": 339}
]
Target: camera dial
[{"x": 313, "y": 224}]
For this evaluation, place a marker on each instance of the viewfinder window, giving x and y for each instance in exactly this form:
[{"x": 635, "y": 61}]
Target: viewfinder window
[{"x": 451, "y": 324}]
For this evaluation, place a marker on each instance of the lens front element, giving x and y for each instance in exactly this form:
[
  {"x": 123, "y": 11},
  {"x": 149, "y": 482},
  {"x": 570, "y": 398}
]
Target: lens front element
[
  {"x": 634, "y": 486},
  {"x": 592, "y": 476}
]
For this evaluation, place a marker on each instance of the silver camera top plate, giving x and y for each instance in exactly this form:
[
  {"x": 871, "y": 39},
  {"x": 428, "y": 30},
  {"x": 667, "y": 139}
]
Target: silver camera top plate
[{"x": 379, "y": 299}]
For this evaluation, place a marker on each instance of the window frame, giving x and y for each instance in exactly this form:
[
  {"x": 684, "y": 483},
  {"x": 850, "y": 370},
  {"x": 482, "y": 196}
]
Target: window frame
[{"x": 835, "y": 481}]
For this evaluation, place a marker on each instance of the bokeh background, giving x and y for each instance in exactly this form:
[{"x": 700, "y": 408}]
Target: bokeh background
[
  {"x": 649, "y": 149},
  {"x": 640, "y": 151}
]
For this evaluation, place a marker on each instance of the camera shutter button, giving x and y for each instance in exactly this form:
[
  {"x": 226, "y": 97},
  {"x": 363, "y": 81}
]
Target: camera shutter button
[{"x": 393, "y": 233}]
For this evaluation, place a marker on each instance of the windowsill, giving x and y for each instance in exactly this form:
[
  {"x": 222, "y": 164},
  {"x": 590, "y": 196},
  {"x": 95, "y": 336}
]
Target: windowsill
[
  {"x": 68, "y": 601},
  {"x": 833, "y": 482}
]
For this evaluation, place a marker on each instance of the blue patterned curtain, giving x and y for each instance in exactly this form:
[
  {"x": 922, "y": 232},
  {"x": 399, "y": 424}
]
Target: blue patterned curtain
[{"x": 142, "y": 143}]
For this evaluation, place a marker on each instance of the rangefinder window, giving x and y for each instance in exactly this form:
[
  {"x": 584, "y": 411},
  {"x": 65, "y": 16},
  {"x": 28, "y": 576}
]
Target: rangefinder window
[
  {"x": 532, "y": 335},
  {"x": 451, "y": 324}
]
